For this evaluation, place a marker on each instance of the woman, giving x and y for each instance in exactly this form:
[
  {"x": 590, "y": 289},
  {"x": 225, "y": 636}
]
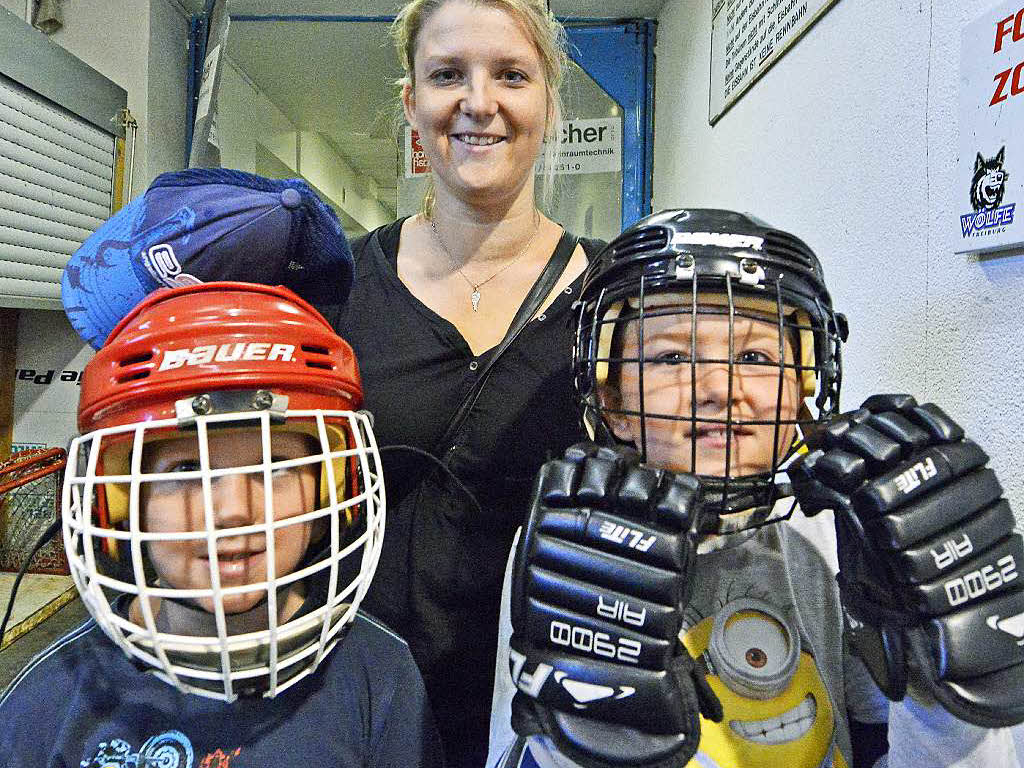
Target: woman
[{"x": 434, "y": 296}]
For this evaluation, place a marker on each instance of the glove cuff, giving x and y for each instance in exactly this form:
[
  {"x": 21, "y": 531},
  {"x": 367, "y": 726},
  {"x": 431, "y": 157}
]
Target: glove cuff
[
  {"x": 595, "y": 744},
  {"x": 991, "y": 700}
]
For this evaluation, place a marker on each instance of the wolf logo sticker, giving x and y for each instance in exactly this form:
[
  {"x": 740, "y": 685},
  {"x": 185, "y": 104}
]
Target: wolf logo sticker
[{"x": 988, "y": 185}]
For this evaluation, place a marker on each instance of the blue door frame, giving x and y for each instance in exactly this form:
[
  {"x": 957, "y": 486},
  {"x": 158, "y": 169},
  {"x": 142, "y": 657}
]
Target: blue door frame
[
  {"x": 619, "y": 56},
  {"x": 620, "y": 59}
]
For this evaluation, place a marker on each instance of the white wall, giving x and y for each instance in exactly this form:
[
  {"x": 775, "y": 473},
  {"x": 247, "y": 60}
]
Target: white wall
[
  {"x": 15, "y": 6},
  {"x": 850, "y": 141}
]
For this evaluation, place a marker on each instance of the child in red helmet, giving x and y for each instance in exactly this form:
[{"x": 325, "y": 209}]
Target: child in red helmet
[{"x": 223, "y": 513}]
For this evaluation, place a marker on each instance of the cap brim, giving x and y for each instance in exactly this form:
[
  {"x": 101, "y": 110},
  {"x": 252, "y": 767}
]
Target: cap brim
[
  {"x": 204, "y": 225},
  {"x": 100, "y": 284}
]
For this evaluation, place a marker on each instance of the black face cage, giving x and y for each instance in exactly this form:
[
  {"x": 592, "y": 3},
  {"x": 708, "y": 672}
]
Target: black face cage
[{"x": 617, "y": 309}]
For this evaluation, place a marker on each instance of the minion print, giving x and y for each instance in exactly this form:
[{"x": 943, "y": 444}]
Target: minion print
[{"x": 777, "y": 709}]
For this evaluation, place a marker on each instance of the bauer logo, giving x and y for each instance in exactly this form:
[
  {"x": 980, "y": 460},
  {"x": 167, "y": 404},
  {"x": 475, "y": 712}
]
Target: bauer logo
[
  {"x": 988, "y": 186},
  {"x": 227, "y": 353}
]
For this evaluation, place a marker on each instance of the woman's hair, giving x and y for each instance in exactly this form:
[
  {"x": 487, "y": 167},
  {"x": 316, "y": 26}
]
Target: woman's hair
[{"x": 542, "y": 29}]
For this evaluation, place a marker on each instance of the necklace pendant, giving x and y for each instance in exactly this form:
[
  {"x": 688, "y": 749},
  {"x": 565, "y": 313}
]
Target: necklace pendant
[{"x": 475, "y": 298}]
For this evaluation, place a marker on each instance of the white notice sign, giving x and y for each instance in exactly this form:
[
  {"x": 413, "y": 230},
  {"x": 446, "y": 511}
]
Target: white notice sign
[
  {"x": 747, "y": 37},
  {"x": 48, "y": 376},
  {"x": 589, "y": 146},
  {"x": 990, "y": 171}
]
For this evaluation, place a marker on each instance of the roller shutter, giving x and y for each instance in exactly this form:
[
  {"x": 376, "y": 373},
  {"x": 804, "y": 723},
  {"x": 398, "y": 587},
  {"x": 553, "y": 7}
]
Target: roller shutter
[
  {"x": 56, "y": 179},
  {"x": 58, "y": 175}
]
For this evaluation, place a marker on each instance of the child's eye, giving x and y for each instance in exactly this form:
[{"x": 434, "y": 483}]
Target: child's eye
[
  {"x": 673, "y": 357},
  {"x": 174, "y": 484},
  {"x": 288, "y": 472},
  {"x": 754, "y": 356},
  {"x": 444, "y": 76},
  {"x": 279, "y": 470}
]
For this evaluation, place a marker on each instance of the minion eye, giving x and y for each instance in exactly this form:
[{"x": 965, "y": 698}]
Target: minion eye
[
  {"x": 756, "y": 657},
  {"x": 758, "y": 639},
  {"x": 754, "y": 649}
]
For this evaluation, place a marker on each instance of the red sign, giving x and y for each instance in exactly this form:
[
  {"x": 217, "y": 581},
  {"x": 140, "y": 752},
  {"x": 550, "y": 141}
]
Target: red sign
[{"x": 418, "y": 158}]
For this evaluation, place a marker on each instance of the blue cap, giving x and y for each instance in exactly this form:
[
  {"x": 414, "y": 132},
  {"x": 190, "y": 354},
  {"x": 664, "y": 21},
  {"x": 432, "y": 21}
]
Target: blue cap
[{"x": 201, "y": 225}]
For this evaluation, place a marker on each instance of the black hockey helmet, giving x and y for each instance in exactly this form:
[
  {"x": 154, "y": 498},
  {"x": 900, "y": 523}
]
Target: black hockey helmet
[{"x": 691, "y": 277}]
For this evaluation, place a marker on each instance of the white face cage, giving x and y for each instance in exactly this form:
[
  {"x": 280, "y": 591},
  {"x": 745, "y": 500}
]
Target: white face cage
[{"x": 226, "y": 659}]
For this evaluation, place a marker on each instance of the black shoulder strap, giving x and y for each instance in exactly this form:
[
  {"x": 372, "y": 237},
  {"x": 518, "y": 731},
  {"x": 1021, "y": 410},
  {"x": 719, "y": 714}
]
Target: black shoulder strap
[{"x": 541, "y": 288}]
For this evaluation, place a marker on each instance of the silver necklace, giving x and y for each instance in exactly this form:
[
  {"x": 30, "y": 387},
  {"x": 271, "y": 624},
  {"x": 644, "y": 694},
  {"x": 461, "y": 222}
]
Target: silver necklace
[{"x": 474, "y": 297}]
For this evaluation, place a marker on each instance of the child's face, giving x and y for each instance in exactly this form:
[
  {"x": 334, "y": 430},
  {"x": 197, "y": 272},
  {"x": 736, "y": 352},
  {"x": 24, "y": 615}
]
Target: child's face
[
  {"x": 238, "y": 500},
  {"x": 756, "y": 396}
]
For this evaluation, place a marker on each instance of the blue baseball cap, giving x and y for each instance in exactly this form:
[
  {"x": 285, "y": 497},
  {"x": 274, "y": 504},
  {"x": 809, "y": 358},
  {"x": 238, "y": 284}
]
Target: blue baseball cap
[{"x": 201, "y": 225}]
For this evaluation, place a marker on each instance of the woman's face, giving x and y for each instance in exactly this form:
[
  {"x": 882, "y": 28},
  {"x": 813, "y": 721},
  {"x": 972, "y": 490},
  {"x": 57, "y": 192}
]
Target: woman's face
[
  {"x": 758, "y": 394},
  {"x": 479, "y": 102}
]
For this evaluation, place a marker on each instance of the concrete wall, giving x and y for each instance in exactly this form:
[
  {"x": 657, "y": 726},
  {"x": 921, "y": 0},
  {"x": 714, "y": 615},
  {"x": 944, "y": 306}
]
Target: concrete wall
[
  {"x": 850, "y": 141},
  {"x": 246, "y": 119},
  {"x": 165, "y": 89},
  {"x": 256, "y": 136}
]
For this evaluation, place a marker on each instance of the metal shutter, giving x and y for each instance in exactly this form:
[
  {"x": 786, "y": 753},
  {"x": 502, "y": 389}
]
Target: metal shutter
[
  {"x": 59, "y": 128},
  {"x": 56, "y": 188}
]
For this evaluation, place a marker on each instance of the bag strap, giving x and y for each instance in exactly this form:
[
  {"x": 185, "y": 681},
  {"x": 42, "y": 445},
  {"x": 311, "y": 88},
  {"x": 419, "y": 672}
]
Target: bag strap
[{"x": 541, "y": 288}]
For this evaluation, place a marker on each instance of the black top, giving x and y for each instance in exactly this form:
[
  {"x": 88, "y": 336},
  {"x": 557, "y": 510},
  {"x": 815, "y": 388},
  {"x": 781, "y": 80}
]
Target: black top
[
  {"x": 439, "y": 579},
  {"x": 84, "y": 703}
]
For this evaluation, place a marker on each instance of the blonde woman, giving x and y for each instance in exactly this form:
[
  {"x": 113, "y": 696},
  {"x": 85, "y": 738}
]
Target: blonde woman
[{"x": 435, "y": 296}]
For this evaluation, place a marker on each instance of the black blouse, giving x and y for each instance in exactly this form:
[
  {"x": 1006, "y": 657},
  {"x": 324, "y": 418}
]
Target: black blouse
[{"x": 439, "y": 579}]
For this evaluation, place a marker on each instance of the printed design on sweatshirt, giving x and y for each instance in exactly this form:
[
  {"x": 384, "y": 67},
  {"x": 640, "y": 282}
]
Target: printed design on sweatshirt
[
  {"x": 777, "y": 709},
  {"x": 171, "y": 749}
]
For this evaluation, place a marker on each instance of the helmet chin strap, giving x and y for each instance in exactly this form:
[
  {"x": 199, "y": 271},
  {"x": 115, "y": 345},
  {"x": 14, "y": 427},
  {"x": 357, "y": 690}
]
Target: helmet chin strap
[
  {"x": 253, "y": 655},
  {"x": 199, "y": 622},
  {"x": 747, "y": 504},
  {"x": 725, "y": 526}
]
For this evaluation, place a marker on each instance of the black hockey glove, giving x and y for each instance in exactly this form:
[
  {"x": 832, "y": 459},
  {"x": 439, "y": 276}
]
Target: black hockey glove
[
  {"x": 601, "y": 575},
  {"x": 929, "y": 563}
]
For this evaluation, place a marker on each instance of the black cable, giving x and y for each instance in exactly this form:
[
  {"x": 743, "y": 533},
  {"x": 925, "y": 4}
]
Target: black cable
[
  {"x": 444, "y": 468},
  {"x": 47, "y": 535}
]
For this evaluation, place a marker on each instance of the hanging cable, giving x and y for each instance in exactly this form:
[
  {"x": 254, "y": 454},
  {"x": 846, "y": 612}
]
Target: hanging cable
[
  {"x": 40, "y": 543},
  {"x": 442, "y": 466}
]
